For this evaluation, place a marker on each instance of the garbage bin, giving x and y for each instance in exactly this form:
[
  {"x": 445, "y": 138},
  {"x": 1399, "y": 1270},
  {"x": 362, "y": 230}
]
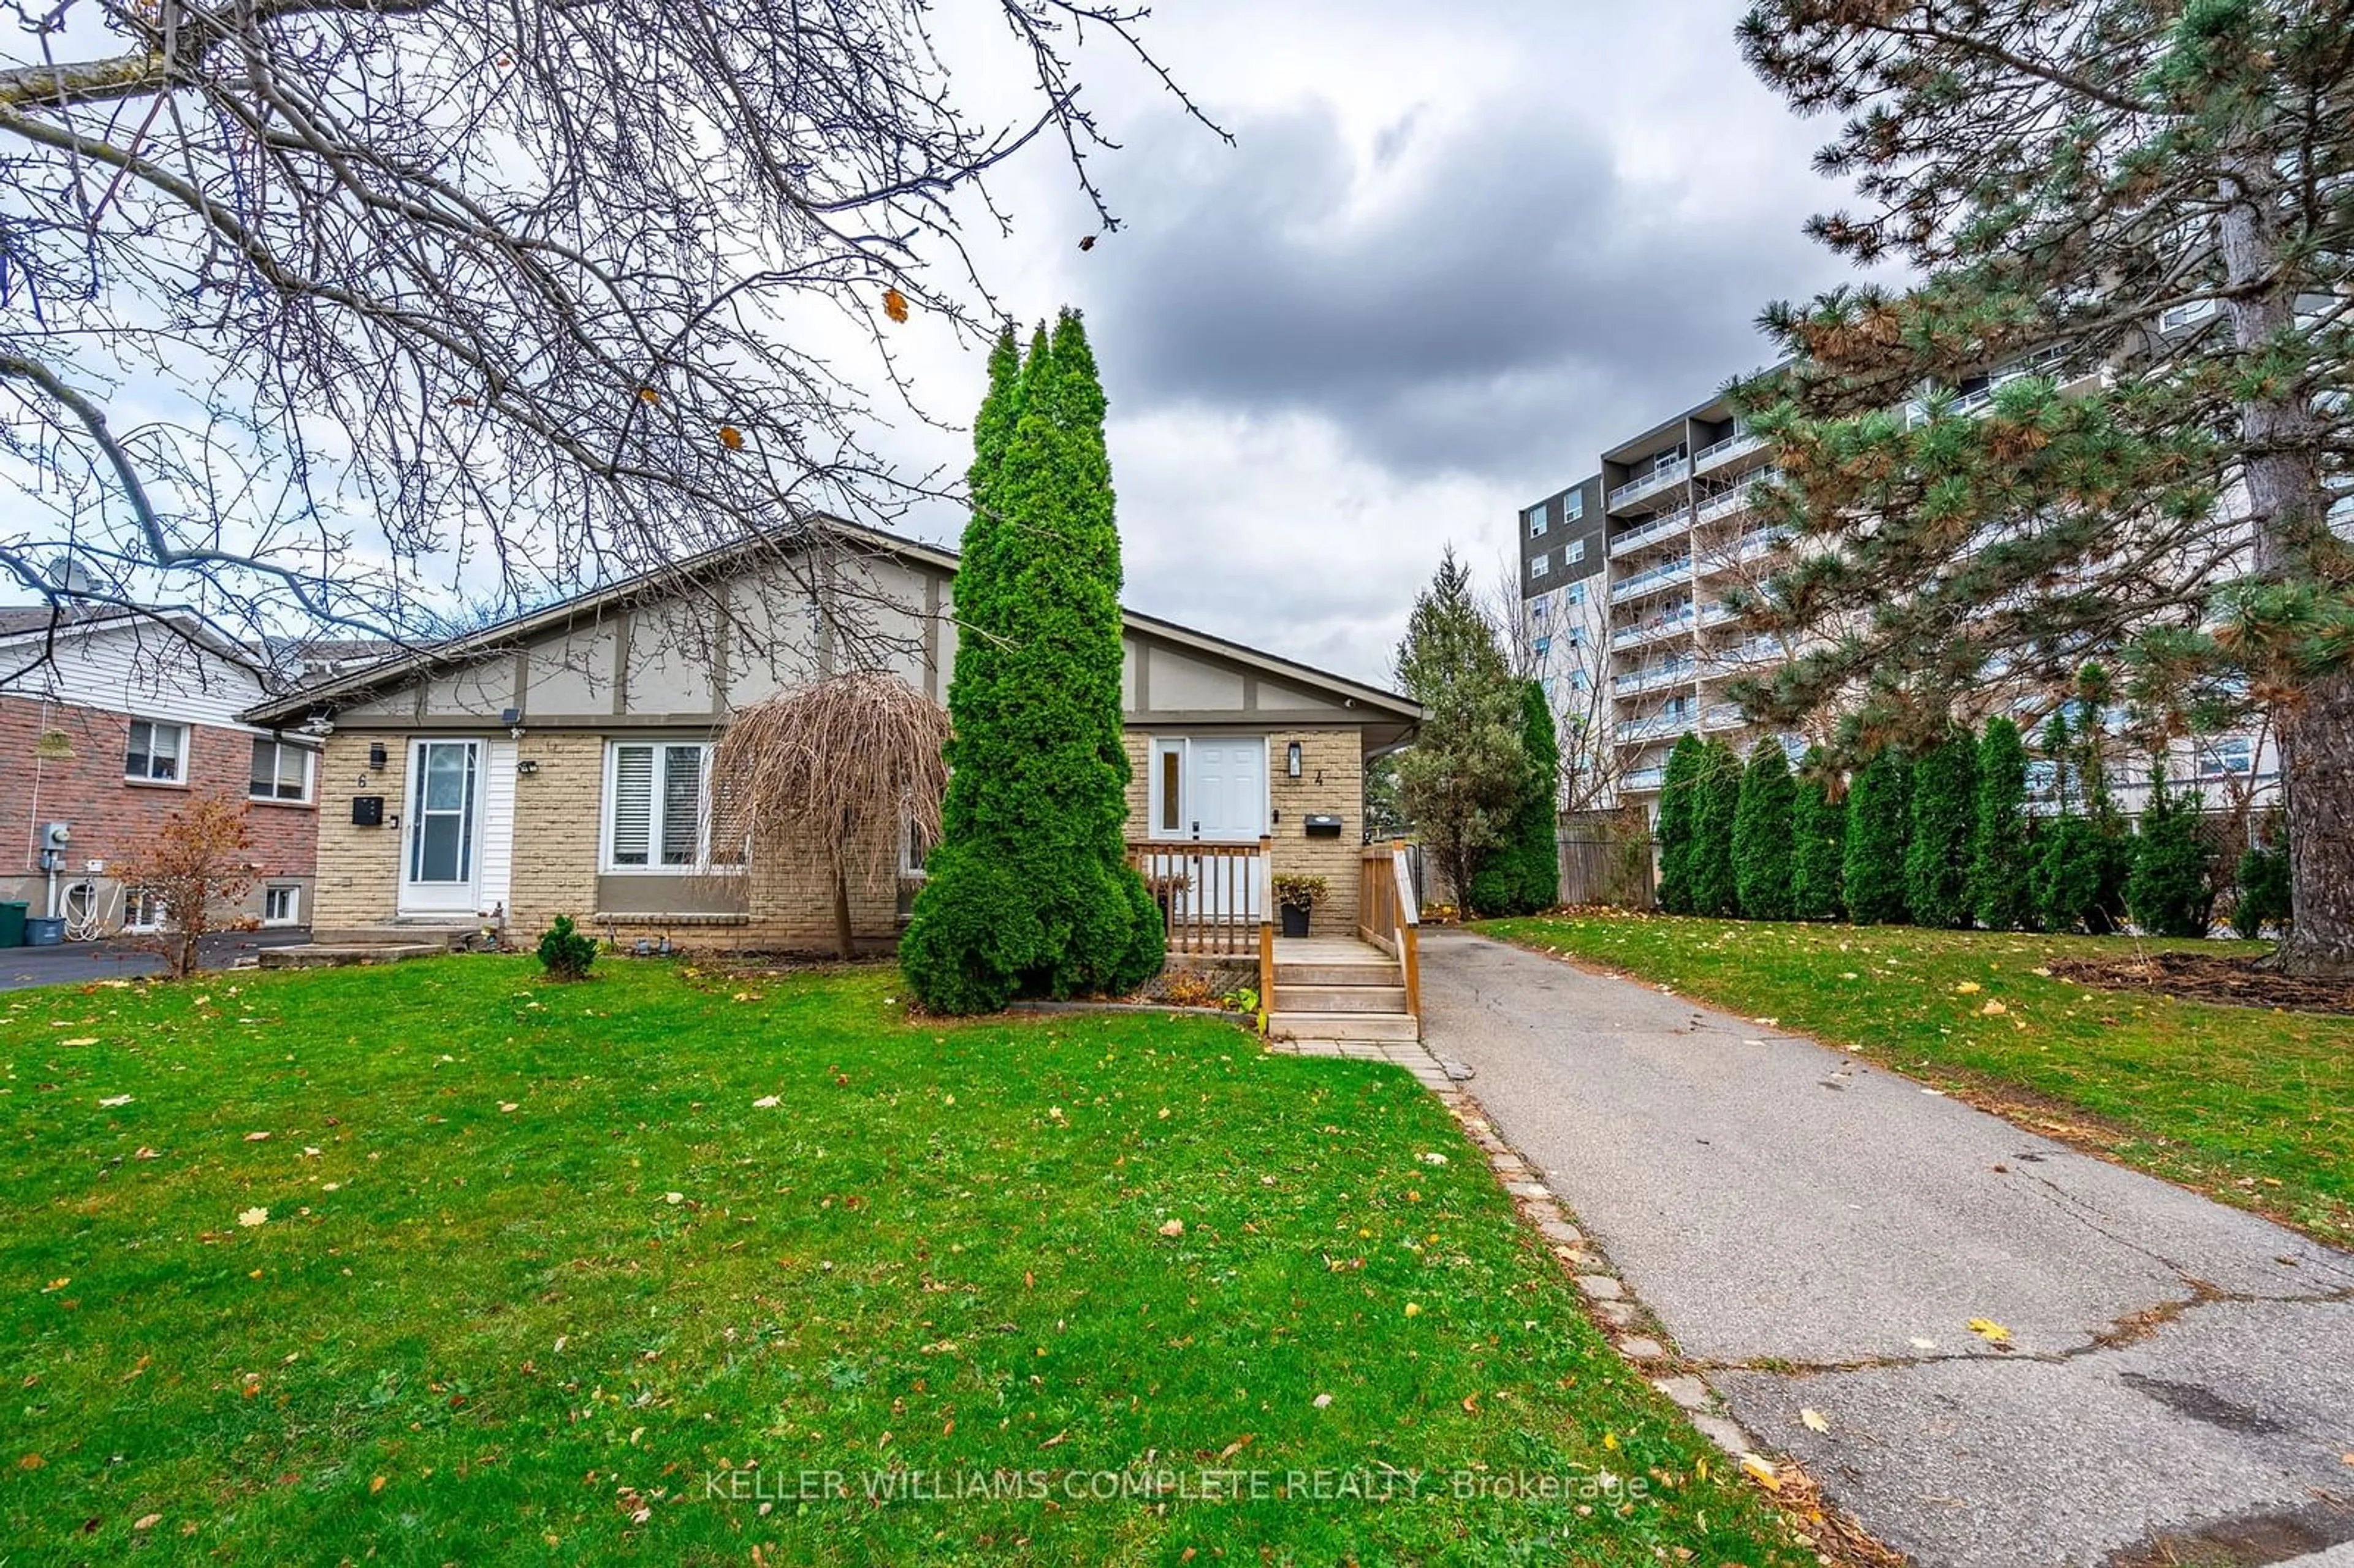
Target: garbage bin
[
  {"x": 42, "y": 932},
  {"x": 12, "y": 922}
]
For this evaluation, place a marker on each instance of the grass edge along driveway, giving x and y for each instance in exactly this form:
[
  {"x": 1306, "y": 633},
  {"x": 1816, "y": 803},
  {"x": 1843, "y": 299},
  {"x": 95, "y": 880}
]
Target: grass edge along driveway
[
  {"x": 439, "y": 1261},
  {"x": 2250, "y": 1106}
]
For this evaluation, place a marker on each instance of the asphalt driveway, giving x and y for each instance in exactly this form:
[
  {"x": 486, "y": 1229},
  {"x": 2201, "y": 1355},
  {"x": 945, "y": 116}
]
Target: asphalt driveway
[
  {"x": 119, "y": 957},
  {"x": 1817, "y": 1234}
]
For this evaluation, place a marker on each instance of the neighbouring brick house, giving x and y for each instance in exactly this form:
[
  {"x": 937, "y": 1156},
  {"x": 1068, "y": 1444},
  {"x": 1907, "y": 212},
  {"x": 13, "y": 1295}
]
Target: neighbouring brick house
[
  {"x": 557, "y": 763},
  {"x": 110, "y": 722}
]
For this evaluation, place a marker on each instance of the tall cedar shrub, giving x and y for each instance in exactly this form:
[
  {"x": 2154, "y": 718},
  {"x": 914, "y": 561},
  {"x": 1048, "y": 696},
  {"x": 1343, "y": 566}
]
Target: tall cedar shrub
[
  {"x": 1716, "y": 801},
  {"x": 1878, "y": 817},
  {"x": 1676, "y": 799},
  {"x": 2168, "y": 892},
  {"x": 2262, "y": 882},
  {"x": 1764, "y": 834},
  {"x": 1937, "y": 853},
  {"x": 1029, "y": 892},
  {"x": 1523, "y": 876},
  {"x": 1818, "y": 842},
  {"x": 2002, "y": 894},
  {"x": 1463, "y": 779}
]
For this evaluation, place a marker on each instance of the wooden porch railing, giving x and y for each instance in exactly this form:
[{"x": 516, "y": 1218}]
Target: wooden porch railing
[
  {"x": 1214, "y": 897},
  {"x": 1389, "y": 915}
]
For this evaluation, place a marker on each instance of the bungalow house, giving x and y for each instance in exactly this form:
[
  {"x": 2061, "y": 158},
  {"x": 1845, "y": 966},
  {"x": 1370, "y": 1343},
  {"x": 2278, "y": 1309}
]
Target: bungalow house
[{"x": 557, "y": 764}]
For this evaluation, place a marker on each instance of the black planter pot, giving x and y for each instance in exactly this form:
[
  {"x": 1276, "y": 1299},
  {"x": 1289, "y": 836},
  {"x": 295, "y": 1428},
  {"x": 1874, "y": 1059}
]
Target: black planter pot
[{"x": 1295, "y": 919}]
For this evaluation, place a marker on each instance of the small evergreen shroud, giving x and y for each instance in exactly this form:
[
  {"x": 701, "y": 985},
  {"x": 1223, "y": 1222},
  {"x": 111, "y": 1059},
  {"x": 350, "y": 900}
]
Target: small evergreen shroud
[
  {"x": 1716, "y": 801},
  {"x": 2003, "y": 884},
  {"x": 565, "y": 953},
  {"x": 1818, "y": 842},
  {"x": 1523, "y": 876},
  {"x": 2167, "y": 892},
  {"x": 1937, "y": 852},
  {"x": 1878, "y": 814},
  {"x": 1677, "y": 802}
]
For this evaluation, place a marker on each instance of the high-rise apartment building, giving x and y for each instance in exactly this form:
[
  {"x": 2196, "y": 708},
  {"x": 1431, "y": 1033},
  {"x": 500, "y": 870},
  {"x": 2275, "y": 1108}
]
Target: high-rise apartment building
[{"x": 1623, "y": 578}]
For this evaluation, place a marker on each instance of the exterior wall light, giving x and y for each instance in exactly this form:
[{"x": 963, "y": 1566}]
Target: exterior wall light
[
  {"x": 376, "y": 757},
  {"x": 1291, "y": 759}
]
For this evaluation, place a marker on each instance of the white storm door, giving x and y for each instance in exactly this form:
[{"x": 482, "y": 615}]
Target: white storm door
[
  {"x": 1227, "y": 782},
  {"x": 1211, "y": 789},
  {"x": 441, "y": 858}
]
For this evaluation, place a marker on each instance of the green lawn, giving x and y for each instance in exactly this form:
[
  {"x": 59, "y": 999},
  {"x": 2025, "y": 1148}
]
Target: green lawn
[
  {"x": 2254, "y": 1105},
  {"x": 529, "y": 1273}
]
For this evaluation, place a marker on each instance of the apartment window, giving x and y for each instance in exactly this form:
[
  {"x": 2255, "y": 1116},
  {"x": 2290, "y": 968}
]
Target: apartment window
[
  {"x": 143, "y": 910},
  {"x": 1536, "y": 521},
  {"x": 1539, "y": 609},
  {"x": 281, "y": 906},
  {"x": 2041, "y": 777},
  {"x": 1573, "y": 506},
  {"x": 1549, "y": 684},
  {"x": 1574, "y": 593},
  {"x": 1580, "y": 681},
  {"x": 1578, "y": 637},
  {"x": 1537, "y": 566},
  {"x": 654, "y": 799},
  {"x": 1543, "y": 646},
  {"x": 1575, "y": 552},
  {"x": 155, "y": 752},
  {"x": 280, "y": 772}
]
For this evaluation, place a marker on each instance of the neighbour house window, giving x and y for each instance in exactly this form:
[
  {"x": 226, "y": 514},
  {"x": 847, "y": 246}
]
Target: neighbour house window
[
  {"x": 1575, "y": 552},
  {"x": 1536, "y": 521},
  {"x": 143, "y": 910},
  {"x": 914, "y": 848},
  {"x": 1537, "y": 566},
  {"x": 154, "y": 756},
  {"x": 1573, "y": 506},
  {"x": 2231, "y": 755},
  {"x": 280, "y": 772},
  {"x": 654, "y": 800},
  {"x": 281, "y": 906},
  {"x": 2041, "y": 776}
]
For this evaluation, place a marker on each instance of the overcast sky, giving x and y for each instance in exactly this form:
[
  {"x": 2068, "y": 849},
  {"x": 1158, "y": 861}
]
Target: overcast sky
[{"x": 1454, "y": 250}]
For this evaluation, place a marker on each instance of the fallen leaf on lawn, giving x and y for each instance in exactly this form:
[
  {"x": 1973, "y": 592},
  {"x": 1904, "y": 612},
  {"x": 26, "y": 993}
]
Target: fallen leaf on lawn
[
  {"x": 766, "y": 1102},
  {"x": 1989, "y": 1331},
  {"x": 114, "y": 1100},
  {"x": 1237, "y": 1445},
  {"x": 673, "y": 1197},
  {"x": 1966, "y": 987},
  {"x": 257, "y": 1138},
  {"x": 1471, "y": 1404},
  {"x": 1413, "y": 1308},
  {"x": 1813, "y": 1421},
  {"x": 31, "y": 1462},
  {"x": 506, "y": 1105},
  {"x": 1322, "y": 1400},
  {"x": 1056, "y": 1441},
  {"x": 147, "y": 1522},
  {"x": 1992, "y": 1010},
  {"x": 145, "y": 1153},
  {"x": 376, "y": 1486},
  {"x": 1172, "y": 1227},
  {"x": 251, "y": 1217},
  {"x": 58, "y": 1284},
  {"x": 80, "y": 1040},
  {"x": 1762, "y": 1472}
]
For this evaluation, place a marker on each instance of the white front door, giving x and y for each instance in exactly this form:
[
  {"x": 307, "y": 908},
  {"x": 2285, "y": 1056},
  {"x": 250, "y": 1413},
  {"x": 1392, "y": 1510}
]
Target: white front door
[
  {"x": 1210, "y": 789},
  {"x": 441, "y": 859}
]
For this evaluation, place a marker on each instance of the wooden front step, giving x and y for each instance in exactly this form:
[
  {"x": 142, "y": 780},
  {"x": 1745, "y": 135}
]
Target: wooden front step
[
  {"x": 1341, "y": 998},
  {"x": 1372, "y": 969},
  {"x": 1296, "y": 1025}
]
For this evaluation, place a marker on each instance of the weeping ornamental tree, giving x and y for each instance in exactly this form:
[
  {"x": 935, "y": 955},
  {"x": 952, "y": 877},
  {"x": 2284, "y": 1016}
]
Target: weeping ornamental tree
[
  {"x": 1763, "y": 825},
  {"x": 1030, "y": 893},
  {"x": 831, "y": 776},
  {"x": 2153, "y": 192},
  {"x": 2000, "y": 888},
  {"x": 1467, "y": 773},
  {"x": 1818, "y": 842}
]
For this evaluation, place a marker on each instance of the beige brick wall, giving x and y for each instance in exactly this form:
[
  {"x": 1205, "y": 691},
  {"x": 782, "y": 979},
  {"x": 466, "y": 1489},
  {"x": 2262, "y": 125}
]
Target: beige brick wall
[
  {"x": 1335, "y": 754},
  {"x": 557, "y": 818},
  {"x": 358, "y": 879}
]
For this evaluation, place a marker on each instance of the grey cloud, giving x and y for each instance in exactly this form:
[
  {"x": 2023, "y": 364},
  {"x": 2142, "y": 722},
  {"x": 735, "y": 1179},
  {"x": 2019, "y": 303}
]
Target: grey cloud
[{"x": 1495, "y": 300}]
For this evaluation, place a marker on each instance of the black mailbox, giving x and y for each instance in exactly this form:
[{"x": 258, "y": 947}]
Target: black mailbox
[
  {"x": 1321, "y": 826},
  {"x": 367, "y": 811}
]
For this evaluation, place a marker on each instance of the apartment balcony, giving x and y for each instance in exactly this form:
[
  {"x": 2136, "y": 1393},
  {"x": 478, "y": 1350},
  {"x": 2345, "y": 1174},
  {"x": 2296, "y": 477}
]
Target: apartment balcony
[
  {"x": 1675, "y": 574},
  {"x": 1652, "y": 677},
  {"x": 1643, "y": 781},
  {"x": 1716, "y": 614},
  {"x": 1670, "y": 527},
  {"x": 1658, "y": 629},
  {"x": 1750, "y": 546},
  {"x": 1718, "y": 453},
  {"x": 1658, "y": 726},
  {"x": 2047, "y": 362},
  {"x": 1743, "y": 657},
  {"x": 1721, "y": 716},
  {"x": 1649, "y": 484}
]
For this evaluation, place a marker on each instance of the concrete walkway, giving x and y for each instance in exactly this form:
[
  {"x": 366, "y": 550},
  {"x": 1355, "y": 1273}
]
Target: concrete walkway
[{"x": 1817, "y": 1234}]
